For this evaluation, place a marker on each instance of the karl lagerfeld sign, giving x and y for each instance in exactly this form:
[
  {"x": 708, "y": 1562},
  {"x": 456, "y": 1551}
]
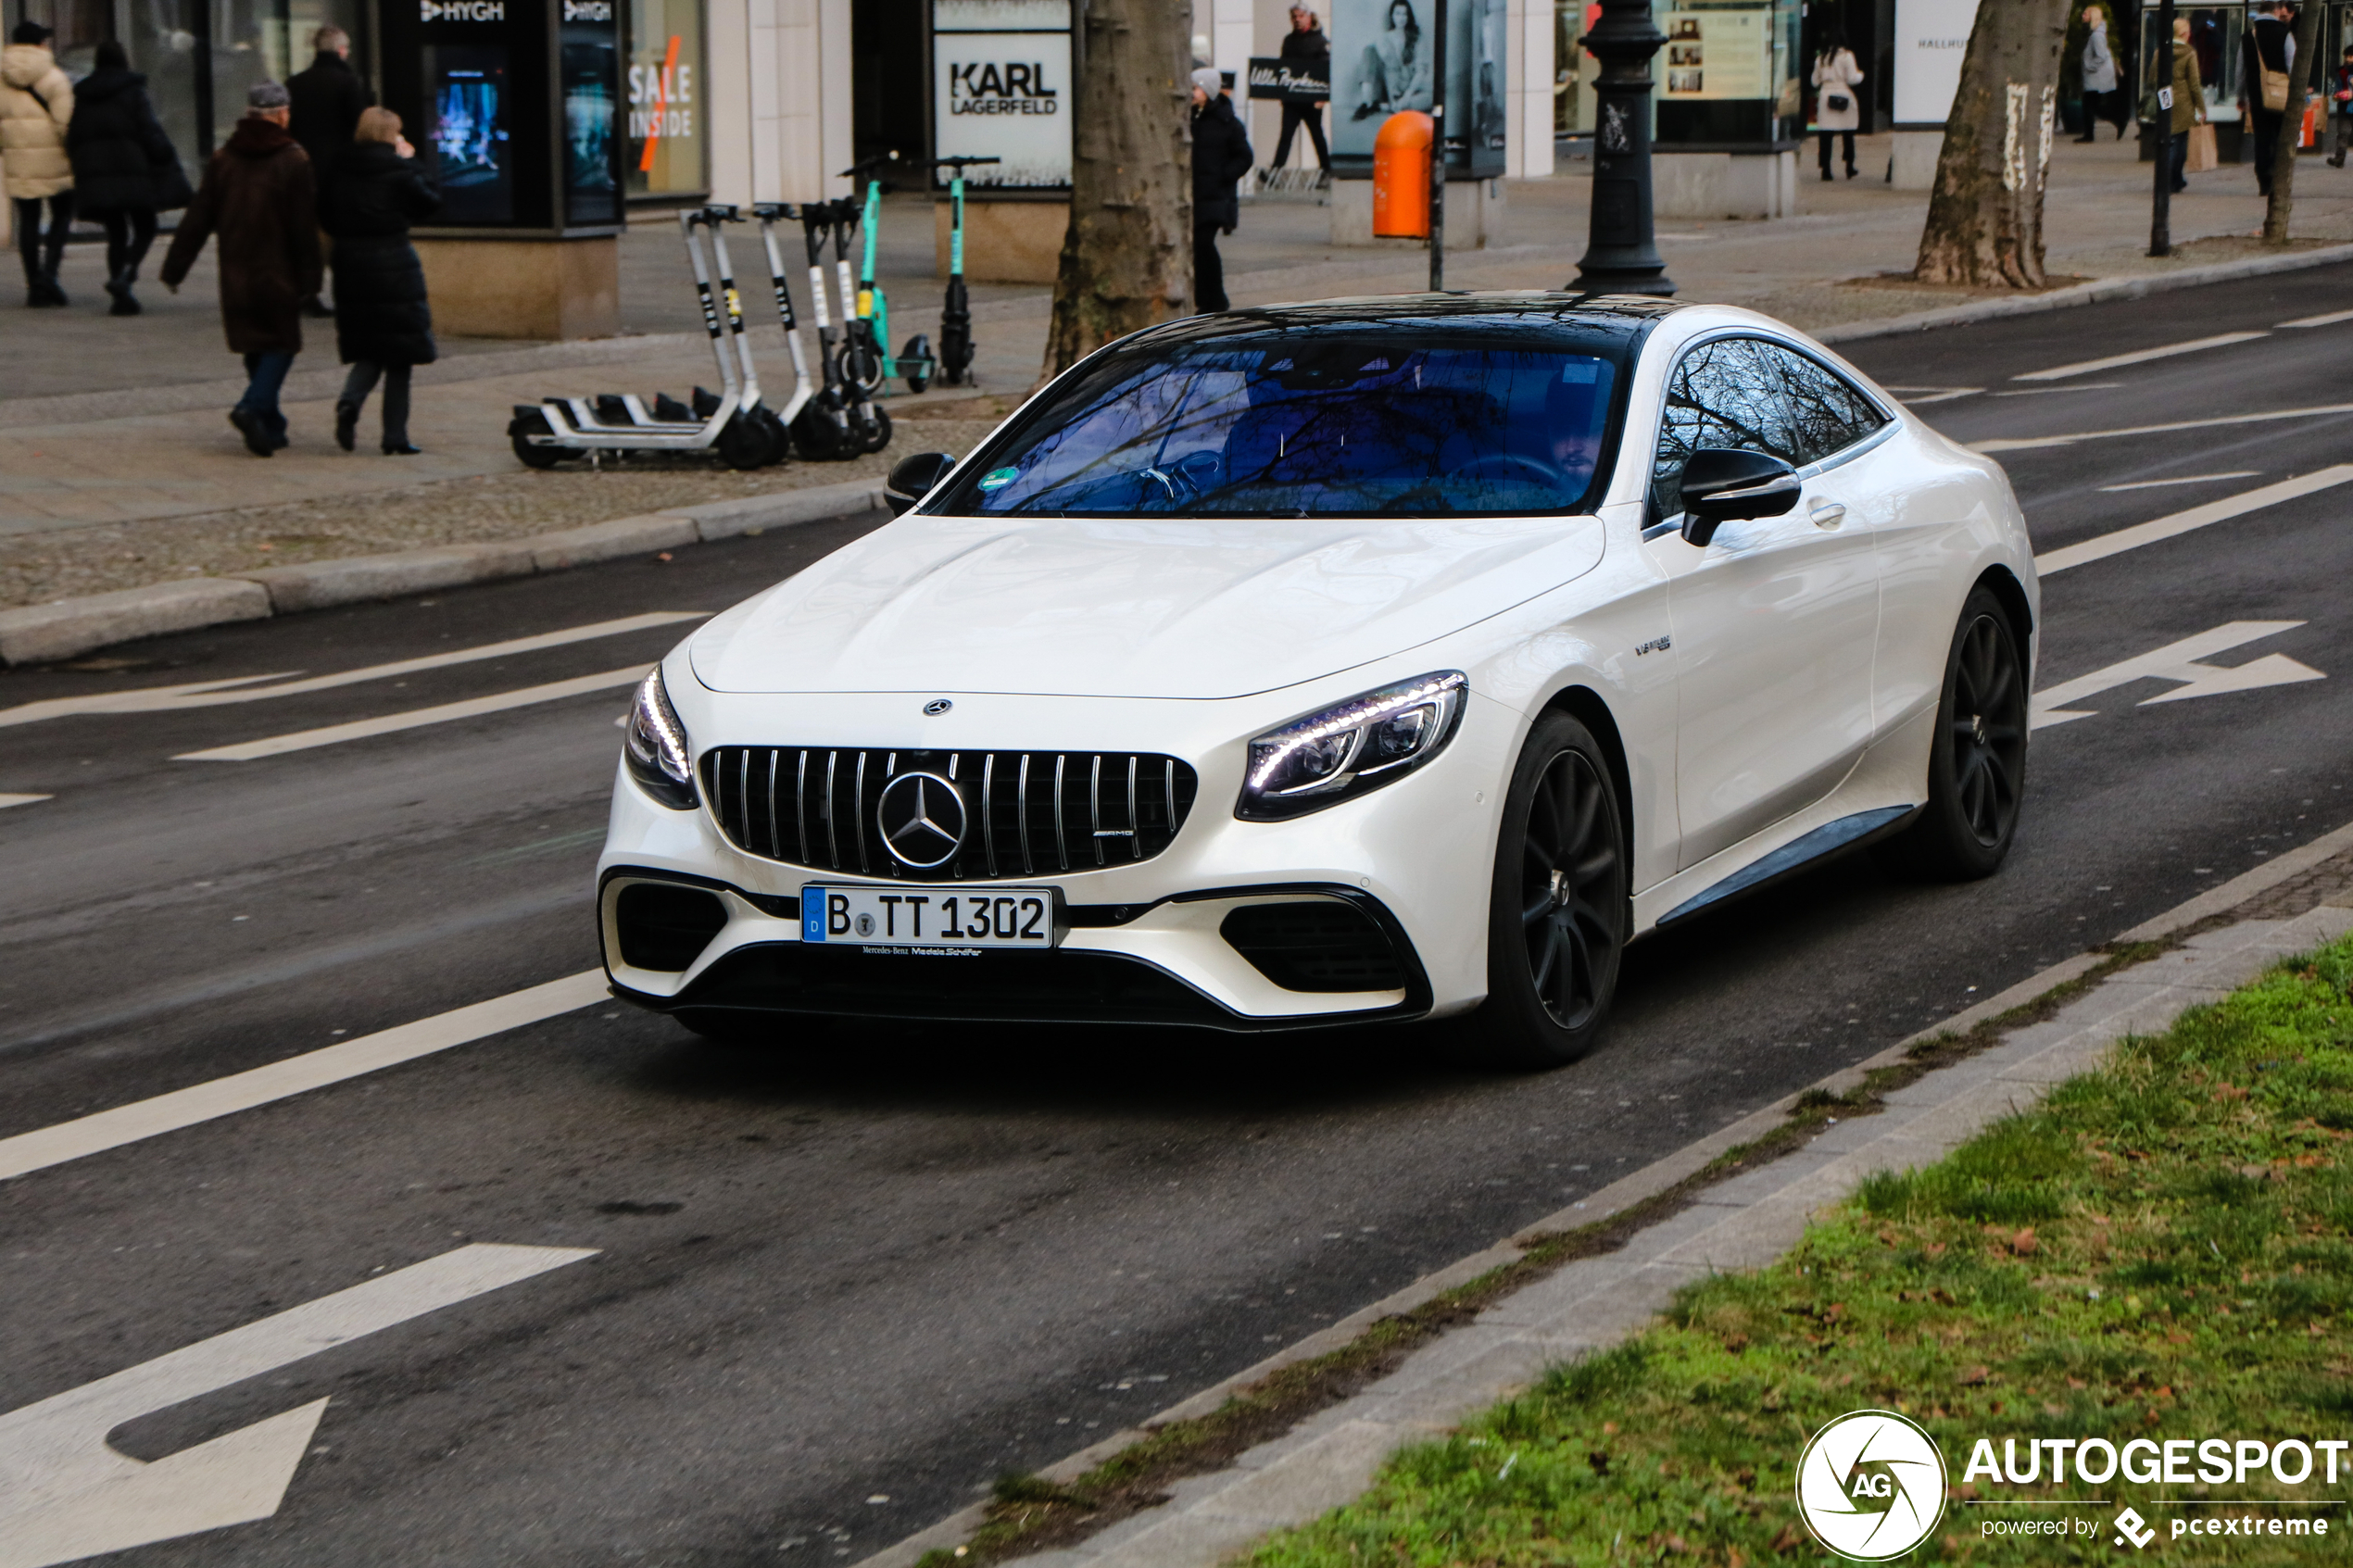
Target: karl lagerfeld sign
[{"x": 1001, "y": 88}]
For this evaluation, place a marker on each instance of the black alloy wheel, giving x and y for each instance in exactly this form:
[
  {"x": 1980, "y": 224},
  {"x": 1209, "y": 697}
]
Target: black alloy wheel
[
  {"x": 1976, "y": 759},
  {"x": 1558, "y": 911}
]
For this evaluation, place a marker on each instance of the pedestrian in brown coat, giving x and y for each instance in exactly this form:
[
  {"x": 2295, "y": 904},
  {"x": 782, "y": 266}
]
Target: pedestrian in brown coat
[{"x": 260, "y": 194}]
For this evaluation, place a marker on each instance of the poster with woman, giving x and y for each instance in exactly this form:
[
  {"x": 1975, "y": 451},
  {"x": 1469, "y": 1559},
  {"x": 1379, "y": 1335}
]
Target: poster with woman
[{"x": 1382, "y": 55}]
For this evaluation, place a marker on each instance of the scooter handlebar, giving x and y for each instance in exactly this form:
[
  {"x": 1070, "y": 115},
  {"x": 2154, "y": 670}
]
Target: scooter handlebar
[
  {"x": 719, "y": 213},
  {"x": 958, "y": 162}
]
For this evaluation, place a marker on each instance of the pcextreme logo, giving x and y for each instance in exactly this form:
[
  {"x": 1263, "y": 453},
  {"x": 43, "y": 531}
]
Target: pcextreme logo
[{"x": 1871, "y": 1485}]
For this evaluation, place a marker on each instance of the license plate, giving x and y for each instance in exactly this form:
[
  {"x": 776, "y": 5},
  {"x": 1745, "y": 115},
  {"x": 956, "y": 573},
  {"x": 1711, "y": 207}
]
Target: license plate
[{"x": 928, "y": 917}]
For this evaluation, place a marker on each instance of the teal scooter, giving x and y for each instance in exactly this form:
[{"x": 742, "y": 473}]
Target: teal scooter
[
  {"x": 868, "y": 362},
  {"x": 956, "y": 315}
]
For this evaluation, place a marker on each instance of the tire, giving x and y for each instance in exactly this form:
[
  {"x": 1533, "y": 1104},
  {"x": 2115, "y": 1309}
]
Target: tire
[
  {"x": 918, "y": 353},
  {"x": 820, "y": 440},
  {"x": 779, "y": 438},
  {"x": 1977, "y": 762},
  {"x": 878, "y": 436},
  {"x": 1558, "y": 911},
  {"x": 530, "y": 423},
  {"x": 744, "y": 442}
]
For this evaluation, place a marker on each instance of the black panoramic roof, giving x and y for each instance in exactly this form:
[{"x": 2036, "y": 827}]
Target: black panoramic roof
[{"x": 1583, "y": 316}]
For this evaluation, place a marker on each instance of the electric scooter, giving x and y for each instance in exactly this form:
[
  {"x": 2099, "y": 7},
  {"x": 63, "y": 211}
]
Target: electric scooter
[
  {"x": 955, "y": 314},
  {"x": 745, "y": 432},
  {"x": 871, "y": 424},
  {"x": 871, "y": 364},
  {"x": 837, "y": 421},
  {"x": 819, "y": 425}
]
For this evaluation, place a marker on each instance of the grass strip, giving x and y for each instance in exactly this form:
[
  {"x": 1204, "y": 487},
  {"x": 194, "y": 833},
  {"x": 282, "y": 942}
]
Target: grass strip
[
  {"x": 2163, "y": 1249},
  {"x": 1029, "y": 1513}
]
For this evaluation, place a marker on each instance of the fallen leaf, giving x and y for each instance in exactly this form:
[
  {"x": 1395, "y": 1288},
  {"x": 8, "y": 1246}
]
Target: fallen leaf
[
  {"x": 1789, "y": 1538},
  {"x": 664, "y": 556},
  {"x": 1974, "y": 1376},
  {"x": 2023, "y": 1243}
]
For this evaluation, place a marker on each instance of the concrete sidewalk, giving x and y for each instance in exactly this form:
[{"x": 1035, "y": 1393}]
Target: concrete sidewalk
[{"x": 122, "y": 470}]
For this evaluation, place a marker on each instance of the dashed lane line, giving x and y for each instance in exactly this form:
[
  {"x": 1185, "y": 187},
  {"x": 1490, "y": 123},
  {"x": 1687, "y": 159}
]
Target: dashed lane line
[
  {"x": 2139, "y": 357},
  {"x": 416, "y": 718},
  {"x": 2030, "y": 442},
  {"x": 8, "y": 801},
  {"x": 2179, "y": 523},
  {"x": 248, "y": 688},
  {"x": 2186, "y": 479},
  {"x": 2329, "y": 319},
  {"x": 145, "y": 1118}
]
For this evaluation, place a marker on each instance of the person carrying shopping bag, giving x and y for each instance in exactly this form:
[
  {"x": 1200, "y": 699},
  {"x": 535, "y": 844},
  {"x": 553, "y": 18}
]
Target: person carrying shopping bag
[
  {"x": 125, "y": 170},
  {"x": 1837, "y": 112},
  {"x": 36, "y": 104},
  {"x": 384, "y": 323}
]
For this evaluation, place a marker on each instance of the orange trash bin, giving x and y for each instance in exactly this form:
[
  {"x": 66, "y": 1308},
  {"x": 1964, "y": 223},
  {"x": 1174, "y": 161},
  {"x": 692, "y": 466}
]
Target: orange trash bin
[{"x": 1400, "y": 177}]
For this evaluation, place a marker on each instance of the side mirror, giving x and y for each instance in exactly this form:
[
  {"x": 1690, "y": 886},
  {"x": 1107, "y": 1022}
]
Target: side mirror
[
  {"x": 1722, "y": 484},
  {"x": 914, "y": 478}
]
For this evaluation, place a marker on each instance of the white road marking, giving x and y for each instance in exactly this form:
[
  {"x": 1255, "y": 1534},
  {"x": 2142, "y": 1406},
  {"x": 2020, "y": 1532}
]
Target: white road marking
[
  {"x": 2331, "y": 319},
  {"x": 2053, "y": 391},
  {"x": 8, "y": 801},
  {"x": 416, "y": 718},
  {"x": 66, "y": 1495},
  {"x": 1934, "y": 395},
  {"x": 2030, "y": 442},
  {"x": 2189, "y": 521},
  {"x": 144, "y": 1119},
  {"x": 2139, "y": 357},
  {"x": 245, "y": 688},
  {"x": 2186, "y": 479},
  {"x": 2178, "y": 661}
]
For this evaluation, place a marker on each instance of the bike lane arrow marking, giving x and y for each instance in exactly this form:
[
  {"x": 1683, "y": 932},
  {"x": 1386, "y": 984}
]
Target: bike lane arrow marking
[
  {"x": 66, "y": 1495},
  {"x": 2178, "y": 661}
]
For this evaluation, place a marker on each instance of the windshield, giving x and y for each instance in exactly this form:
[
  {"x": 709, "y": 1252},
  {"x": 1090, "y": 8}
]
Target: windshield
[{"x": 1370, "y": 423}]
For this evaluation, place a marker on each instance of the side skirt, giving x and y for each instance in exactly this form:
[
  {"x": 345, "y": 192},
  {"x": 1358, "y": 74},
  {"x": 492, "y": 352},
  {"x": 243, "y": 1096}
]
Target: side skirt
[{"x": 1830, "y": 838}]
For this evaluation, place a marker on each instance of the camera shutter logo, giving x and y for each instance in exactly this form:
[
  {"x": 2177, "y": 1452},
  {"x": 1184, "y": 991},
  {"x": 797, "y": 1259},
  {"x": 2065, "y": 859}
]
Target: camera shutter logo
[
  {"x": 922, "y": 818},
  {"x": 1871, "y": 1485}
]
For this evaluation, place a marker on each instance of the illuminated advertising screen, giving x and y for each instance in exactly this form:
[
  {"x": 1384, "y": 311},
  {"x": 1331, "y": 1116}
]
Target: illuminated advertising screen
[{"x": 467, "y": 132}]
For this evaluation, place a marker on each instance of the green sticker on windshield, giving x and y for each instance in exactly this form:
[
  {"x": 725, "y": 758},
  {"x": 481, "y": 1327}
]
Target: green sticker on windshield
[{"x": 997, "y": 479}]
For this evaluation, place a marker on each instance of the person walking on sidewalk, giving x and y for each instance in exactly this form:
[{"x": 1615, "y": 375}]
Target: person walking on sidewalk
[
  {"x": 1221, "y": 157},
  {"x": 327, "y": 99},
  {"x": 1836, "y": 112},
  {"x": 2189, "y": 99},
  {"x": 2341, "y": 109},
  {"x": 36, "y": 104},
  {"x": 2101, "y": 99},
  {"x": 125, "y": 170},
  {"x": 383, "y": 323},
  {"x": 2270, "y": 50},
  {"x": 257, "y": 192},
  {"x": 1308, "y": 53}
]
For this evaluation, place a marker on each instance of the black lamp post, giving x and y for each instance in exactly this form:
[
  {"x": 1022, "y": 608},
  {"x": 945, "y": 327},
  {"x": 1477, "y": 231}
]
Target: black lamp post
[{"x": 1622, "y": 257}]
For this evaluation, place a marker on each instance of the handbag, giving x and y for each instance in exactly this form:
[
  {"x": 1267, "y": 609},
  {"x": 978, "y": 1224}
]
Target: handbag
[
  {"x": 2275, "y": 90},
  {"x": 2201, "y": 151},
  {"x": 1837, "y": 103}
]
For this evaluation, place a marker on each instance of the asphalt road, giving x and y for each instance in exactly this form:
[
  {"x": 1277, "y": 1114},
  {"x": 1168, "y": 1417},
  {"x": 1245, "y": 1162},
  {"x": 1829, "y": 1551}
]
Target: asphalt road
[{"x": 836, "y": 1290}]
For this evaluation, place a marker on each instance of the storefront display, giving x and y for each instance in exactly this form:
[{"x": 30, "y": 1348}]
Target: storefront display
[
  {"x": 2217, "y": 34},
  {"x": 1729, "y": 73},
  {"x": 664, "y": 152},
  {"x": 1001, "y": 88},
  {"x": 1381, "y": 63}
]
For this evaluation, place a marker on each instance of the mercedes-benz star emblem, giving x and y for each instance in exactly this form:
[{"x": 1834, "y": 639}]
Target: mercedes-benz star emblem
[
  {"x": 922, "y": 818},
  {"x": 936, "y": 707}
]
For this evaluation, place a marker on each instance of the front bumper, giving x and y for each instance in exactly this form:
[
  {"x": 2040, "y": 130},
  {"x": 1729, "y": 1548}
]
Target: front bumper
[{"x": 1149, "y": 941}]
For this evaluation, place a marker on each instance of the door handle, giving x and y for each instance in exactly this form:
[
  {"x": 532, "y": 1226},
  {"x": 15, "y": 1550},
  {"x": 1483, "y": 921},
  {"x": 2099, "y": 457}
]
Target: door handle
[{"x": 1827, "y": 514}]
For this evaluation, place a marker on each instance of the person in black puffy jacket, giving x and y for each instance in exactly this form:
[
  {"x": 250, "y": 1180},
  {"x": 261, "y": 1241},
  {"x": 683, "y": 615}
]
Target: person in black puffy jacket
[
  {"x": 1221, "y": 157},
  {"x": 383, "y": 323},
  {"x": 124, "y": 166}
]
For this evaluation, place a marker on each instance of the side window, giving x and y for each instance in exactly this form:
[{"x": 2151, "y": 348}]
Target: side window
[
  {"x": 1827, "y": 415},
  {"x": 1724, "y": 393}
]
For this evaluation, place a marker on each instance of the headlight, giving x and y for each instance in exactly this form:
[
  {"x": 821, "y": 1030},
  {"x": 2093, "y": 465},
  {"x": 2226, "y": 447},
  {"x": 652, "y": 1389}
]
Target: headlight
[
  {"x": 659, "y": 757},
  {"x": 1353, "y": 746}
]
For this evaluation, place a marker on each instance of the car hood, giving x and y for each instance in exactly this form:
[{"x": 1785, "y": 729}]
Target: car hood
[{"x": 1162, "y": 607}]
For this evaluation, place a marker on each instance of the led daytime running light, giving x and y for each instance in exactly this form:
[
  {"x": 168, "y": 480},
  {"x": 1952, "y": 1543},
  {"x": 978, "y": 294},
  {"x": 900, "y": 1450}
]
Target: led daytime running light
[
  {"x": 659, "y": 753},
  {"x": 1352, "y": 723}
]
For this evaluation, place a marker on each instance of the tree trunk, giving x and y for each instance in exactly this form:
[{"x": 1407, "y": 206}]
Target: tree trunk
[
  {"x": 1127, "y": 259},
  {"x": 2299, "y": 79},
  {"x": 1985, "y": 221}
]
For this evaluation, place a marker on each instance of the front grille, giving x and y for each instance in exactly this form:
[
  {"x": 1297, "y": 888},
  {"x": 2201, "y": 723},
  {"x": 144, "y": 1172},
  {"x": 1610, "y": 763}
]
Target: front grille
[
  {"x": 1029, "y": 813},
  {"x": 1314, "y": 944}
]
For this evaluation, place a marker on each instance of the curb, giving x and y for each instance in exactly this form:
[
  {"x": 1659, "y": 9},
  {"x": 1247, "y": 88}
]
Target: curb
[
  {"x": 2098, "y": 292},
  {"x": 43, "y": 633},
  {"x": 1342, "y": 1437}
]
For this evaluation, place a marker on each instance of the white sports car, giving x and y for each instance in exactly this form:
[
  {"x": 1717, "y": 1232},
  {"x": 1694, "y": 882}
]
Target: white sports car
[{"x": 1368, "y": 659}]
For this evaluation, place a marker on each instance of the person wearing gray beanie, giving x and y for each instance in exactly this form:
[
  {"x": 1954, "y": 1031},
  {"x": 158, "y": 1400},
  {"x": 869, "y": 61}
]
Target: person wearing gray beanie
[{"x": 1221, "y": 157}]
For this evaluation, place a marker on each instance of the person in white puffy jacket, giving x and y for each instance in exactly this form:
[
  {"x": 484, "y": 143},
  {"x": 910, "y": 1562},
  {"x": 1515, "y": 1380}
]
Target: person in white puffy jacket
[
  {"x": 1837, "y": 110},
  {"x": 36, "y": 104}
]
